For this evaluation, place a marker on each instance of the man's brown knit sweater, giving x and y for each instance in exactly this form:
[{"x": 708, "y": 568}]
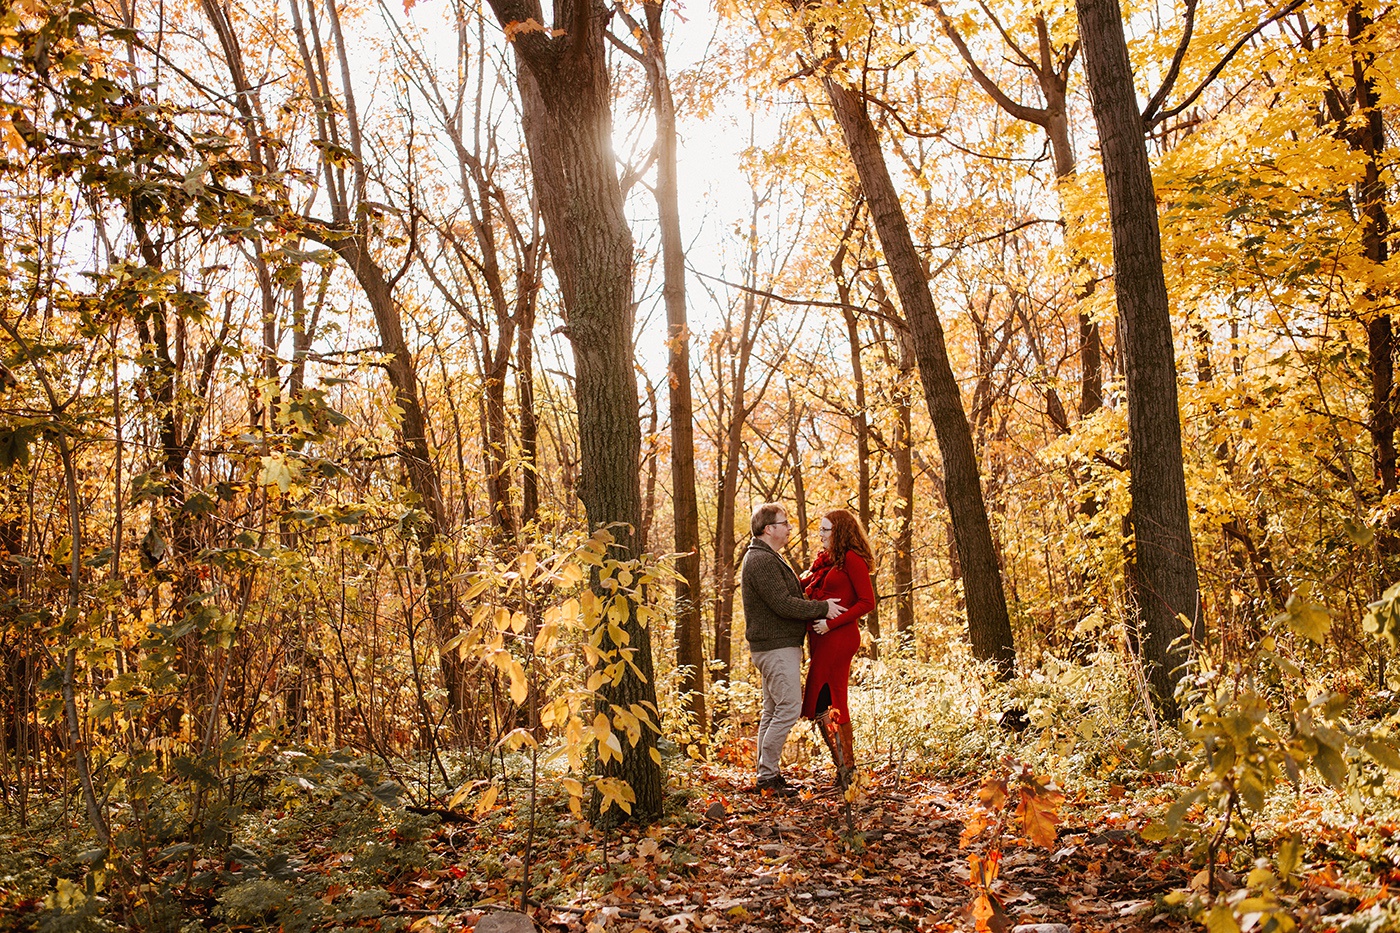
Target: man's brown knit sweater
[{"x": 775, "y": 612}]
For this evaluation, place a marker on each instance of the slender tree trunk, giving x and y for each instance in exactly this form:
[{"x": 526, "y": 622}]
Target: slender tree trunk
[
  {"x": 525, "y": 392},
  {"x": 904, "y": 489},
  {"x": 989, "y": 625},
  {"x": 348, "y": 236},
  {"x": 726, "y": 523},
  {"x": 567, "y": 118},
  {"x": 414, "y": 454},
  {"x": 861, "y": 424},
  {"x": 496, "y": 441},
  {"x": 1165, "y": 565},
  {"x": 690, "y": 641},
  {"x": 799, "y": 483},
  {"x": 725, "y": 534}
]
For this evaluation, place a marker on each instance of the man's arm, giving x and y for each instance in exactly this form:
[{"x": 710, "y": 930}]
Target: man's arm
[{"x": 764, "y": 578}]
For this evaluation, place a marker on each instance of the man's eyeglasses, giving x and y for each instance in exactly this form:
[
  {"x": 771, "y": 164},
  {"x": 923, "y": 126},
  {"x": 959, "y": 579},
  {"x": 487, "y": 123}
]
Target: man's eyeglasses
[{"x": 783, "y": 522}]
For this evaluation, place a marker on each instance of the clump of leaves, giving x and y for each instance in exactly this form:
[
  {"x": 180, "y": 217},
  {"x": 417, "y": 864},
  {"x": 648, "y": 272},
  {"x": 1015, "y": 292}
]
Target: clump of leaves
[
  {"x": 1036, "y": 808},
  {"x": 1252, "y": 726},
  {"x": 534, "y": 619}
]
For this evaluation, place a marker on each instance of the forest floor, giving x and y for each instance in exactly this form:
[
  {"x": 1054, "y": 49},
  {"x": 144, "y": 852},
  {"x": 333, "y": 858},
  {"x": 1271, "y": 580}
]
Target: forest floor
[
  {"x": 892, "y": 859},
  {"x": 726, "y": 858}
]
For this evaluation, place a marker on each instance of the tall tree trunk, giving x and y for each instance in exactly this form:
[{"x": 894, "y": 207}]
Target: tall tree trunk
[
  {"x": 740, "y": 407},
  {"x": 988, "y": 624},
  {"x": 690, "y": 640},
  {"x": 567, "y": 118},
  {"x": 862, "y": 428},
  {"x": 1165, "y": 565},
  {"x": 725, "y": 524},
  {"x": 348, "y": 234},
  {"x": 799, "y": 482},
  {"x": 904, "y": 488},
  {"x": 685, "y": 500},
  {"x": 1368, "y": 137},
  {"x": 413, "y": 454},
  {"x": 525, "y": 392}
]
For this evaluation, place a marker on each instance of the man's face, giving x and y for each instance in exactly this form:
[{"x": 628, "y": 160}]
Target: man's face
[{"x": 779, "y": 529}]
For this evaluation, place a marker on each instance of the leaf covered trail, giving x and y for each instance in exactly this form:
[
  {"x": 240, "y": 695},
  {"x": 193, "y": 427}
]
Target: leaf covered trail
[{"x": 769, "y": 863}]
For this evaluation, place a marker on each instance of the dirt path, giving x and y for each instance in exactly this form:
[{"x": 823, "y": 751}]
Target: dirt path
[{"x": 768, "y": 863}]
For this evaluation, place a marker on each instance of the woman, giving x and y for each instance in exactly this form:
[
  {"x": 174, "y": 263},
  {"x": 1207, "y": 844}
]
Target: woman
[{"x": 840, "y": 571}]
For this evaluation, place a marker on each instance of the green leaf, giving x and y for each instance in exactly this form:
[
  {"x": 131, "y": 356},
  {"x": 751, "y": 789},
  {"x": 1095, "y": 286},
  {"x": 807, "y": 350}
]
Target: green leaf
[
  {"x": 1156, "y": 832},
  {"x": 1290, "y": 856},
  {"x": 1383, "y": 617},
  {"x": 275, "y": 472},
  {"x": 1177, "y": 812},
  {"x": 1383, "y": 751},
  {"x": 174, "y": 851},
  {"x": 1307, "y": 619},
  {"x": 1330, "y": 765},
  {"x": 387, "y": 793},
  {"x": 1359, "y": 533}
]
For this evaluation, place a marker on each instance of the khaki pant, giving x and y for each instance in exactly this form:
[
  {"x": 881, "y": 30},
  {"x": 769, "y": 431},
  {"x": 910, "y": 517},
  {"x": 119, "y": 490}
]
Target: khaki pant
[{"x": 781, "y": 670}]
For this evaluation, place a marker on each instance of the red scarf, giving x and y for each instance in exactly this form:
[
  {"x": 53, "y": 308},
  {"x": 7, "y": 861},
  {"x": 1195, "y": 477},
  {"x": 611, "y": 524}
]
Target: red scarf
[{"x": 822, "y": 565}]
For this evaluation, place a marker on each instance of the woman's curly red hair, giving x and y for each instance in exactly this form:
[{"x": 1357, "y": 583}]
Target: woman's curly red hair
[{"x": 847, "y": 536}]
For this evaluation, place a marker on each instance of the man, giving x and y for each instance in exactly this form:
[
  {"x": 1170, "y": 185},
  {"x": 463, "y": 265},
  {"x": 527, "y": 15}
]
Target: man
[{"x": 775, "y": 620}]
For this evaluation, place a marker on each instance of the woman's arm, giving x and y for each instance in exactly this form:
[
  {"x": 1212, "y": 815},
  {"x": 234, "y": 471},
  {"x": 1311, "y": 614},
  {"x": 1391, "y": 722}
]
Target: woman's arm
[{"x": 858, "y": 572}]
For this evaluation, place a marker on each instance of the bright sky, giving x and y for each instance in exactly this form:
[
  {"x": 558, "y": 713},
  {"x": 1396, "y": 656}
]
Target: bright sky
[{"x": 714, "y": 193}]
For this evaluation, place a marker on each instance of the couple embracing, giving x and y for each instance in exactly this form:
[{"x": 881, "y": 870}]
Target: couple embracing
[{"x": 823, "y": 607}]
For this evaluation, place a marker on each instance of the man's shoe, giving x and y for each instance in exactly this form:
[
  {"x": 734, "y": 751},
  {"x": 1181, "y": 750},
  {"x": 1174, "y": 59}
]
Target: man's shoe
[{"x": 777, "y": 786}]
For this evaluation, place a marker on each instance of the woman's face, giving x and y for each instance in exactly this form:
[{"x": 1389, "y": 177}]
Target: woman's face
[{"x": 824, "y": 532}]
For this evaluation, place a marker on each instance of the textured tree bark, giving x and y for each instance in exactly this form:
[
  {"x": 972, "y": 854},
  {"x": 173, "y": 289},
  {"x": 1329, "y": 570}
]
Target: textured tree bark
[
  {"x": 1164, "y": 565},
  {"x": 989, "y": 626},
  {"x": 567, "y": 118},
  {"x": 1368, "y": 137}
]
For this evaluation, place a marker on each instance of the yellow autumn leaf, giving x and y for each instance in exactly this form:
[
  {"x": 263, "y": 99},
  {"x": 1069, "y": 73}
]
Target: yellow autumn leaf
[
  {"x": 487, "y": 801},
  {"x": 519, "y": 687}
]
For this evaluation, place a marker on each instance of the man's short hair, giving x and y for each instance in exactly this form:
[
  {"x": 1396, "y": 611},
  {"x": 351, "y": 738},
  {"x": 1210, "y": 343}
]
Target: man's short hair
[{"x": 765, "y": 515}]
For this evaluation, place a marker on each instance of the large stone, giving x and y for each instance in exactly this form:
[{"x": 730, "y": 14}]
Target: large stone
[
  {"x": 506, "y": 921},
  {"x": 1031, "y": 928}
]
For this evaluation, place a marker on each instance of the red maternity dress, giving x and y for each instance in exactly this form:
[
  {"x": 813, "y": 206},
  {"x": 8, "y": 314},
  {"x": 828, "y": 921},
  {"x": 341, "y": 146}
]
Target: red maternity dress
[{"x": 830, "y": 669}]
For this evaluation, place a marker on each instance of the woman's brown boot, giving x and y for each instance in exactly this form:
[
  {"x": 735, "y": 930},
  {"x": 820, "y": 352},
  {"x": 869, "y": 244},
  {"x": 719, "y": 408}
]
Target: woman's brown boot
[
  {"x": 831, "y": 735},
  {"x": 846, "y": 766}
]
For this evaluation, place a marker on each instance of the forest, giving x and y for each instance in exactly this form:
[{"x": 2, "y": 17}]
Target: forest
[{"x": 386, "y": 388}]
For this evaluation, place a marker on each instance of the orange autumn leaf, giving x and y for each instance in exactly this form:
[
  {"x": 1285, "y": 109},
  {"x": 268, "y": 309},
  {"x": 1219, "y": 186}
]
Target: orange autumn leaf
[
  {"x": 990, "y": 916},
  {"x": 993, "y": 793},
  {"x": 1039, "y": 810},
  {"x": 983, "y": 871}
]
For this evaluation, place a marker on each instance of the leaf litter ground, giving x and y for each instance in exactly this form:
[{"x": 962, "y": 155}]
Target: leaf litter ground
[
  {"x": 725, "y": 858},
  {"x": 743, "y": 861}
]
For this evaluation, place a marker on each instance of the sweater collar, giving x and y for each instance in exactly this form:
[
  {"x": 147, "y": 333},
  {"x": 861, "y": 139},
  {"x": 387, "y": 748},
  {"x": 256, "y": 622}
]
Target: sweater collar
[{"x": 760, "y": 544}]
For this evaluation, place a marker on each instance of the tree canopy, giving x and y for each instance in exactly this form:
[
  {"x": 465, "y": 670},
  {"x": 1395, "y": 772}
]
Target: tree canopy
[{"x": 384, "y": 390}]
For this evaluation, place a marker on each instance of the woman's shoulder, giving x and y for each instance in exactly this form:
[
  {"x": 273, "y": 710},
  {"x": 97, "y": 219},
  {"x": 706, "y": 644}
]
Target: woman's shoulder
[{"x": 853, "y": 562}]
